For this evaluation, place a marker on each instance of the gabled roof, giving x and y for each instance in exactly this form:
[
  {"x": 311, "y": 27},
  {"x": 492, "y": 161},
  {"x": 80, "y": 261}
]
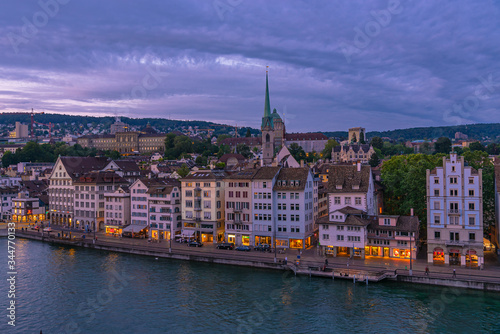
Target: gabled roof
[
  {"x": 266, "y": 173},
  {"x": 77, "y": 166},
  {"x": 205, "y": 175},
  {"x": 403, "y": 223},
  {"x": 127, "y": 165},
  {"x": 292, "y": 174},
  {"x": 349, "y": 179},
  {"x": 246, "y": 174}
]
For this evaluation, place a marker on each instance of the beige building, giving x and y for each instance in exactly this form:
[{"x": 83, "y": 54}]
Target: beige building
[
  {"x": 144, "y": 141},
  {"x": 21, "y": 131},
  {"x": 203, "y": 205},
  {"x": 117, "y": 210},
  {"x": 357, "y": 135},
  {"x": 352, "y": 153}
]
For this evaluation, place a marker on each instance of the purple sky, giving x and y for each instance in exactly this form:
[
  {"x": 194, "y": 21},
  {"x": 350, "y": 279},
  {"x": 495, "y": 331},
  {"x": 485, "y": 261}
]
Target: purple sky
[{"x": 332, "y": 65}]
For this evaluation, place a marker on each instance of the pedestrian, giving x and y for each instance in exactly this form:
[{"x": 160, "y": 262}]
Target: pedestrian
[
  {"x": 286, "y": 260},
  {"x": 427, "y": 271},
  {"x": 454, "y": 274},
  {"x": 326, "y": 262}
]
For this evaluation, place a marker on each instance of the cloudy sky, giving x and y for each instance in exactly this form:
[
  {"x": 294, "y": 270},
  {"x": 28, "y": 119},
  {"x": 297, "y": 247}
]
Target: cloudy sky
[{"x": 332, "y": 64}]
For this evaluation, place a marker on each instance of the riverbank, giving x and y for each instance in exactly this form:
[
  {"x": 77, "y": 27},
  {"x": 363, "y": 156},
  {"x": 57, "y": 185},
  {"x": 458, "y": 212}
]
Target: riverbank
[{"x": 308, "y": 265}]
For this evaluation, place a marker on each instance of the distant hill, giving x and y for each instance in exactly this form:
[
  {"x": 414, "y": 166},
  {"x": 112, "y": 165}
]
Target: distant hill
[
  {"x": 474, "y": 131},
  {"x": 163, "y": 125}
]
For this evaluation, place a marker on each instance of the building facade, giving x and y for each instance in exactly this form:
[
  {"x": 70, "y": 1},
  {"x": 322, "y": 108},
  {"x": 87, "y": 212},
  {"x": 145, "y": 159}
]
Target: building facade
[
  {"x": 351, "y": 185},
  {"x": 352, "y": 153},
  {"x": 455, "y": 214},
  {"x": 203, "y": 210},
  {"x": 117, "y": 210}
]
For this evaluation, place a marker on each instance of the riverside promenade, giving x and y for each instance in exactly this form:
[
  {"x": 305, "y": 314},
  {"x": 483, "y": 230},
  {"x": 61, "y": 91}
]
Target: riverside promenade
[{"x": 371, "y": 269}]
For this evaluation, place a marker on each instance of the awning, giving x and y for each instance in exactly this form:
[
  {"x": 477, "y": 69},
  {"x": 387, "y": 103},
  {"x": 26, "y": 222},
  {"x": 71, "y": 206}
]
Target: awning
[
  {"x": 437, "y": 249},
  {"x": 134, "y": 228},
  {"x": 187, "y": 233},
  {"x": 471, "y": 252},
  {"x": 454, "y": 251}
]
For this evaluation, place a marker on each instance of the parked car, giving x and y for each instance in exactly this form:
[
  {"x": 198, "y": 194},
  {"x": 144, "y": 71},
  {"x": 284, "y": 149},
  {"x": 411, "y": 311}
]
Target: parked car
[
  {"x": 243, "y": 249},
  {"x": 225, "y": 245},
  {"x": 195, "y": 244},
  {"x": 262, "y": 248},
  {"x": 47, "y": 229}
]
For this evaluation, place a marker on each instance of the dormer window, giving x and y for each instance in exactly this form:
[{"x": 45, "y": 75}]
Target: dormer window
[
  {"x": 355, "y": 186},
  {"x": 338, "y": 186}
]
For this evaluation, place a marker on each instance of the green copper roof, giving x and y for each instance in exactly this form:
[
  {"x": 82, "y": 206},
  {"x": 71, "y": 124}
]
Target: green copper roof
[{"x": 267, "y": 120}]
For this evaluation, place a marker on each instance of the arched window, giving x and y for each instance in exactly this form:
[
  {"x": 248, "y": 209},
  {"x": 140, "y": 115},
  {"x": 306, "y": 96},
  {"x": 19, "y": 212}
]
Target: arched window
[{"x": 268, "y": 138}]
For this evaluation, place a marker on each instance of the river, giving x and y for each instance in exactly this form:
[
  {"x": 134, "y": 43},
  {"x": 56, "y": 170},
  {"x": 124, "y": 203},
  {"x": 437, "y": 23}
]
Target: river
[{"x": 74, "y": 290}]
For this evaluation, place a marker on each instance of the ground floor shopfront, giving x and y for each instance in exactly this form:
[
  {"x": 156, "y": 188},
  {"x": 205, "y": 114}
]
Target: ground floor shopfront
[
  {"x": 455, "y": 256},
  {"x": 390, "y": 252},
  {"x": 337, "y": 251},
  {"x": 28, "y": 218},
  {"x": 210, "y": 232},
  {"x": 114, "y": 230}
]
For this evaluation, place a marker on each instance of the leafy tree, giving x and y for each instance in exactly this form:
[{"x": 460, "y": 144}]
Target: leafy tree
[
  {"x": 374, "y": 160},
  {"x": 353, "y": 140},
  {"x": 377, "y": 142},
  {"x": 183, "y": 171},
  {"x": 362, "y": 138},
  {"x": 442, "y": 145},
  {"x": 221, "y": 138},
  {"x": 114, "y": 155},
  {"x": 480, "y": 160},
  {"x": 220, "y": 165},
  {"x": 476, "y": 146},
  {"x": 493, "y": 149},
  {"x": 244, "y": 150},
  {"x": 297, "y": 152},
  {"x": 248, "y": 134},
  {"x": 425, "y": 148},
  {"x": 327, "y": 151},
  {"x": 9, "y": 159},
  {"x": 404, "y": 180},
  {"x": 223, "y": 149}
]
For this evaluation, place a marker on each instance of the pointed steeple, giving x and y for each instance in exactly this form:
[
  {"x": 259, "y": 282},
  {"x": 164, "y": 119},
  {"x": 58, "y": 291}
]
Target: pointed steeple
[{"x": 267, "y": 108}]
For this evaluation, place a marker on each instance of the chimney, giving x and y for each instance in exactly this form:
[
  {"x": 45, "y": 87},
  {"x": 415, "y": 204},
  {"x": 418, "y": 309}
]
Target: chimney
[
  {"x": 358, "y": 164},
  {"x": 302, "y": 163},
  {"x": 411, "y": 212}
]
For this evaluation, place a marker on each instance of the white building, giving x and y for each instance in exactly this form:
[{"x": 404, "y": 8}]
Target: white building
[
  {"x": 264, "y": 205},
  {"x": 164, "y": 203},
  {"x": 455, "y": 214},
  {"x": 7, "y": 194},
  {"x": 117, "y": 210},
  {"x": 351, "y": 185}
]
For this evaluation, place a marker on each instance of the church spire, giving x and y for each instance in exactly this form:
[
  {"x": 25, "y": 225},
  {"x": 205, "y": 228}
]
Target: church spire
[{"x": 267, "y": 108}]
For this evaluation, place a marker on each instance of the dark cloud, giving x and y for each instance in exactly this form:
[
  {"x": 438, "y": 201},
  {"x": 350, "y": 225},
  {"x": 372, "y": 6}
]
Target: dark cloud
[{"x": 423, "y": 65}]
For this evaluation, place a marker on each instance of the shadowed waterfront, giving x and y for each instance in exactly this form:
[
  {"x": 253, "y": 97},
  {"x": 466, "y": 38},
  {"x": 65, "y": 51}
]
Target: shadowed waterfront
[{"x": 66, "y": 290}]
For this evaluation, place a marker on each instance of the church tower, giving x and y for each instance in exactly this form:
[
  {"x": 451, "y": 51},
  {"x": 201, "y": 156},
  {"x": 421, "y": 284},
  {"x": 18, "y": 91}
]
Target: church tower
[{"x": 267, "y": 129}]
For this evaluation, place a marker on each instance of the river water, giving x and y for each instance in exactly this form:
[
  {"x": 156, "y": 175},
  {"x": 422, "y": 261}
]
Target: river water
[{"x": 74, "y": 290}]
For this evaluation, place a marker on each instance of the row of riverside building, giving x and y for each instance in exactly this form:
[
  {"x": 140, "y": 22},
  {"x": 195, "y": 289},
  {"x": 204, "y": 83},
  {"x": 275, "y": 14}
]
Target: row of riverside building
[{"x": 276, "y": 205}]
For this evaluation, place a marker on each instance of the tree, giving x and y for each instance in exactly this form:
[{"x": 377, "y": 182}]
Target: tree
[
  {"x": 220, "y": 165},
  {"x": 183, "y": 171},
  {"x": 223, "y": 149},
  {"x": 377, "y": 142},
  {"x": 442, "y": 145},
  {"x": 404, "y": 180},
  {"x": 362, "y": 138},
  {"x": 297, "y": 152},
  {"x": 221, "y": 138},
  {"x": 244, "y": 150},
  {"x": 480, "y": 160},
  {"x": 8, "y": 159},
  {"x": 476, "y": 146},
  {"x": 493, "y": 149},
  {"x": 425, "y": 148},
  {"x": 248, "y": 134},
  {"x": 327, "y": 151},
  {"x": 374, "y": 160},
  {"x": 353, "y": 140}
]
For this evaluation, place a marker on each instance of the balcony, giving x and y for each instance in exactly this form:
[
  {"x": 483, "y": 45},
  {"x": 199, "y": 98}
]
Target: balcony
[
  {"x": 237, "y": 210},
  {"x": 454, "y": 212},
  {"x": 197, "y": 219},
  {"x": 197, "y": 208}
]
